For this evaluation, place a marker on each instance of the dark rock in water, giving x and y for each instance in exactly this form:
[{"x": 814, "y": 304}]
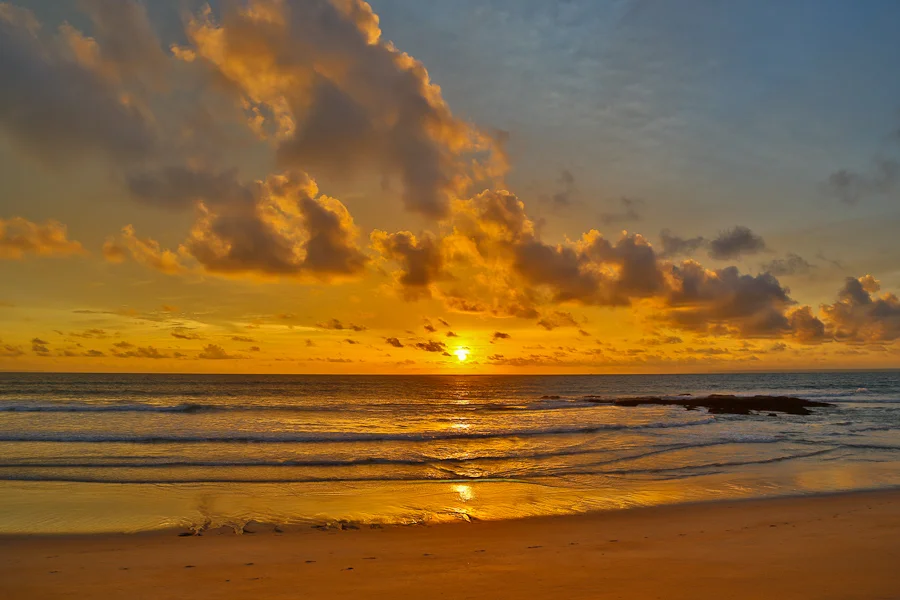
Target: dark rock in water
[
  {"x": 727, "y": 404},
  {"x": 773, "y": 414}
]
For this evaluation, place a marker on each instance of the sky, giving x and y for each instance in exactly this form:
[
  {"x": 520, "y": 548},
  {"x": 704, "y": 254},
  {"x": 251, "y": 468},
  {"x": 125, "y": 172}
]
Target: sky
[{"x": 477, "y": 186}]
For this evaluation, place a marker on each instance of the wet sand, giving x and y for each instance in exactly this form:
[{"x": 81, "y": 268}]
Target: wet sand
[{"x": 835, "y": 547}]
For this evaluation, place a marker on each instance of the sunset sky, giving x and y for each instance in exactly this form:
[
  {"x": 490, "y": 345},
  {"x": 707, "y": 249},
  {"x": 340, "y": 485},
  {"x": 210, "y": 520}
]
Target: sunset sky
[{"x": 476, "y": 186}]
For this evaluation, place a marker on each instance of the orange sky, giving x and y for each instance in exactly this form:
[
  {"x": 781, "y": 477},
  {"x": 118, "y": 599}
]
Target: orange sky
[{"x": 280, "y": 189}]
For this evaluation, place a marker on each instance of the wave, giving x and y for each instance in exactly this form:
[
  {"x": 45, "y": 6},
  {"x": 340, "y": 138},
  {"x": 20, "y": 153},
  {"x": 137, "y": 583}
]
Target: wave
[
  {"x": 333, "y": 437},
  {"x": 140, "y": 462},
  {"x": 448, "y": 475}
]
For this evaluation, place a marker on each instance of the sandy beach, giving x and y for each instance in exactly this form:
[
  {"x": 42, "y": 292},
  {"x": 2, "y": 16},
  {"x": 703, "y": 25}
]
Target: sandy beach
[{"x": 837, "y": 547}]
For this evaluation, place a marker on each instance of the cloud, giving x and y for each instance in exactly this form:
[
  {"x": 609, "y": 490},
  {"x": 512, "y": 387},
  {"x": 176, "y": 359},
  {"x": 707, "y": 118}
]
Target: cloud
[
  {"x": 850, "y": 187},
  {"x": 90, "y": 334},
  {"x": 280, "y": 227},
  {"x": 216, "y": 352},
  {"x": 628, "y": 214},
  {"x": 557, "y": 319},
  {"x": 563, "y": 198},
  {"x": 318, "y": 78},
  {"x": 144, "y": 251},
  {"x": 242, "y": 338},
  {"x": 124, "y": 41},
  {"x": 10, "y": 351},
  {"x": 57, "y": 102},
  {"x": 351, "y": 341},
  {"x": 420, "y": 259},
  {"x": 443, "y": 322},
  {"x": 499, "y": 335},
  {"x": 337, "y": 325},
  {"x": 725, "y": 300},
  {"x": 673, "y": 246},
  {"x": 396, "y": 343},
  {"x": 183, "y": 333},
  {"x": 429, "y": 327},
  {"x": 20, "y": 237},
  {"x": 734, "y": 243},
  {"x": 126, "y": 350},
  {"x": 432, "y": 346},
  {"x": 791, "y": 264},
  {"x": 39, "y": 347},
  {"x": 860, "y": 314}
]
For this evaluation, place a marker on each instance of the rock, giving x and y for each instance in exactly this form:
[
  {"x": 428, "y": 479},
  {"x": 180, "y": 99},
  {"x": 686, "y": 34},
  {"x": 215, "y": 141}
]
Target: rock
[{"x": 727, "y": 404}]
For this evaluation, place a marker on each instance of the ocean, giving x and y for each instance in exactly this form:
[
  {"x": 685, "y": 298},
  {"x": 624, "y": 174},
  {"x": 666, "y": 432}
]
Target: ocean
[{"x": 84, "y": 453}]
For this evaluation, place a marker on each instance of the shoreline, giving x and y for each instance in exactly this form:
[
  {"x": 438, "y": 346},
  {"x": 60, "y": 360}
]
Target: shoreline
[
  {"x": 841, "y": 545},
  {"x": 282, "y": 528}
]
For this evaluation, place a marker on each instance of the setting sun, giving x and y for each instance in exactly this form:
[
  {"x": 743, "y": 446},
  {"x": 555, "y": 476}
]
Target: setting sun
[{"x": 462, "y": 354}]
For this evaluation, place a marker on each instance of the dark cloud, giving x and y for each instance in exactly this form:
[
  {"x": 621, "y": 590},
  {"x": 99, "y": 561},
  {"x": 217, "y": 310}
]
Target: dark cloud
[
  {"x": 861, "y": 315},
  {"x": 395, "y": 342},
  {"x": 432, "y": 346},
  {"x": 242, "y": 338},
  {"x": 184, "y": 333},
  {"x": 39, "y": 347},
  {"x": 58, "y": 107},
  {"x": 735, "y": 243},
  {"x": 851, "y": 186},
  {"x": 673, "y": 246},
  {"x": 556, "y": 319},
  {"x": 628, "y": 213},
  {"x": 499, "y": 335},
  {"x": 451, "y": 334},
  {"x": 126, "y": 350},
  {"x": 791, "y": 264},
  {"x": 701, "y": 300},
  {"x": 427, "y": 326},
  {"x": 337, "y": 325},
  {"x": 443, "y": 322},
  {"x": 420, "y": 259},
  {"x": 563, "y": 198},
  {"x": 10, "y": 351},
  {"x": 351, "y": 341}
]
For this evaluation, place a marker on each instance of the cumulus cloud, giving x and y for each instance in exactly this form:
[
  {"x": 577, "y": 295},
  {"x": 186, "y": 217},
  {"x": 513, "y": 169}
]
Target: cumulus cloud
[
  {"x": 144, "y": 251},
  {"x": 860, "y": 314},
  {"x": 280, "y": 227},
  {"x": 702, "y": 300},
  {"x": 20, "y": 238},
  {"x": 499, "y": 335},
  {"x": 317, "y": 77},
  {"x": 216, "y": 352},
  {"x": 395, "y": 342},
  {"x": 735, "y": 243}
]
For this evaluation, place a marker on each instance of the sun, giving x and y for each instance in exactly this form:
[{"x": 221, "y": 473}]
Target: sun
[{"x": 462, "y": 354}]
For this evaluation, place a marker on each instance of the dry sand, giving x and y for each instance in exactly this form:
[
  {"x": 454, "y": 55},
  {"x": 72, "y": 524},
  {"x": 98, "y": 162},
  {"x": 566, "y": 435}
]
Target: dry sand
[{"x": 835, "y": 547}]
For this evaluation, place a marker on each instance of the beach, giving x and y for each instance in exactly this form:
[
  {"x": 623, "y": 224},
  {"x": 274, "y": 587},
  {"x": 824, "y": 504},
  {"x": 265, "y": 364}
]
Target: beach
[{"x": 844, "y": 546}]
